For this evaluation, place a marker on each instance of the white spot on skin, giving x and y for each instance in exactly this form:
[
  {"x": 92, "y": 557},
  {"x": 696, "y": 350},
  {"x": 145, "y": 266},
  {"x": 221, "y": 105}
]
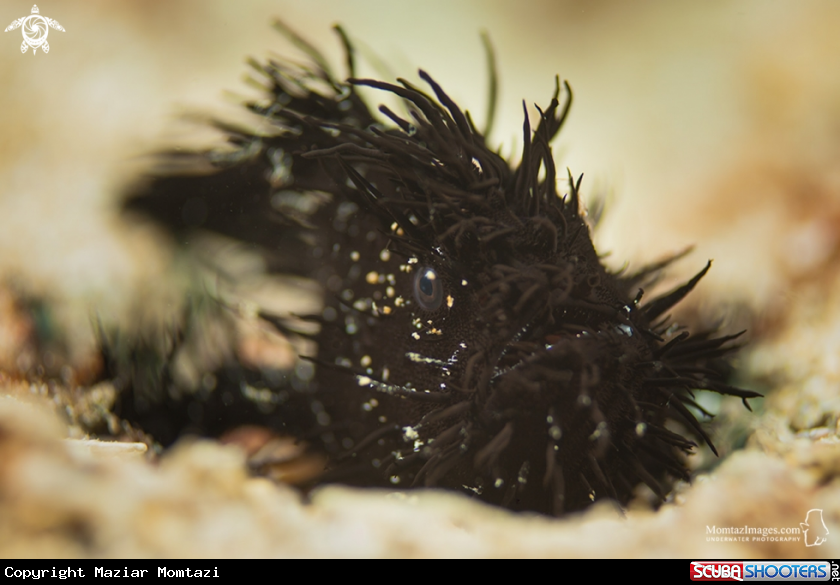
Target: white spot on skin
[
  {"x": 523, "y": 473},
  {"x": 413, "y": 260},
  {"x": 626, "y": 329},
  {"x": 386, "y": 310},
  {"x": 363, "y": 381},
  {"x": 449, "y": 301},
  {"x": 600, "y": 430},
  {"x": 370, "y": 405},
  {"x": 361, "y": 304},
  {"x": 464, "y": 283},
  {"x": 390, "y": 292},
  {"x": 385, "y": 255},
  {"x": 421, "y": 359},
  {"x": 416, "y": 335}
]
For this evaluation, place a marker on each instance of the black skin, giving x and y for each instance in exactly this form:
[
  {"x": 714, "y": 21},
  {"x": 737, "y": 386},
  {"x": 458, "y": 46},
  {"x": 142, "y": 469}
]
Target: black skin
[{"x": 471, "y": 339}]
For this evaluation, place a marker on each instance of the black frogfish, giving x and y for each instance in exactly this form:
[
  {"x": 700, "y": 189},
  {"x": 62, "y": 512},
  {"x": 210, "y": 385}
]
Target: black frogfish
[{"x": 470, "y": 338}]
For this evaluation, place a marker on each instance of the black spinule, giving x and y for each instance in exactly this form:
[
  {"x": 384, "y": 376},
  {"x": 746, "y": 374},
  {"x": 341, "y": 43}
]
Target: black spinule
[{"x": 470, "y": 339}]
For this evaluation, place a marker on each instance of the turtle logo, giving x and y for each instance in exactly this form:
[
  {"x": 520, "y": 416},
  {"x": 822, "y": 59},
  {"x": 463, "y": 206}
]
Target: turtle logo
[{"x": 35, "y": 30}]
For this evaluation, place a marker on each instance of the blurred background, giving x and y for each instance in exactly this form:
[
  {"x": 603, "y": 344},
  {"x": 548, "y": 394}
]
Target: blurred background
[{"x": 715, "y": 124}]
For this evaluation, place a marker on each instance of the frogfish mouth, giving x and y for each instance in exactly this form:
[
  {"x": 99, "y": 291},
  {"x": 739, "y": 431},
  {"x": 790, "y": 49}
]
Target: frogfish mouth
[{"x": 470, "y": 337}]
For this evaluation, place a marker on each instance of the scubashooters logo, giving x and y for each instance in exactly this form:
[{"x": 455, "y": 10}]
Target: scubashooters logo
[{"x": 760, "y": 571}]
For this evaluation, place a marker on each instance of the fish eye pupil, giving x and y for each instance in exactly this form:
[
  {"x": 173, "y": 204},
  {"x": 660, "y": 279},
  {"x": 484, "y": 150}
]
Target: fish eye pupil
[
  {"x": 428, "y": 289},
  {"x": 427, "y": 283}
]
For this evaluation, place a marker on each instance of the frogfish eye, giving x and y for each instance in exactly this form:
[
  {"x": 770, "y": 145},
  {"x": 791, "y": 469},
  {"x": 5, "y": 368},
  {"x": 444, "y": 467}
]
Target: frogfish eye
[{"x": 428, "y": 289}]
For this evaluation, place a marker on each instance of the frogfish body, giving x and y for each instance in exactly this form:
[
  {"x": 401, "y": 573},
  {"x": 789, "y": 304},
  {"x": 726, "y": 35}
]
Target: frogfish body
[{"x": 470, "y": 337}]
